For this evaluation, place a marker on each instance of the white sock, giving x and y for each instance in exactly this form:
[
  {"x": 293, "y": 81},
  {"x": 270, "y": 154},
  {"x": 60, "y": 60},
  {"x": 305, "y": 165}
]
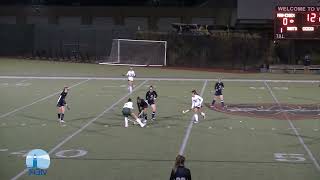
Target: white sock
[
  {"x": 125, "y": 122},
  {"x": 203, "y": 114},
  {"x": 130, "y": 89},
  {"x": 195, "y": 116},
  {"x": 140, "y": 123}
]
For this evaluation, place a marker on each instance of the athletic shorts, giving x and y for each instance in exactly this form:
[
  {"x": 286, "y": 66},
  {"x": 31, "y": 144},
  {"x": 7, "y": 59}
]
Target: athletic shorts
[
  {"x": 126, "y": 112},
  {"x": 198, "y": 107},
  {"x": 151, "y": 102},
  {"x": 130, "y": 78},
  {"x": 218, "y": 93},
  {"x": 60, "y": 104},
  {"x": 144, "y": 106}
]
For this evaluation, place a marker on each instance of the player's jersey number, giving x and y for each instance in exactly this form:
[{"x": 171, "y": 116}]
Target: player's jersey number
[{"x": 180, "y": 178}]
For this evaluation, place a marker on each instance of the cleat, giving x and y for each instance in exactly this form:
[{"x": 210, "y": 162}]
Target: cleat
[
  {"x": 203, "y": 115},
  {"x": 62, "y": 121},
  {"x": 195, "y": 122},
  {"x": 143, "y": 125}
]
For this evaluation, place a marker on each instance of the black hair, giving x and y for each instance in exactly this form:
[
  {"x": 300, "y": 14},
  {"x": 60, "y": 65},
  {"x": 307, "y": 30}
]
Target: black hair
[{"x": 194, "y": 91}]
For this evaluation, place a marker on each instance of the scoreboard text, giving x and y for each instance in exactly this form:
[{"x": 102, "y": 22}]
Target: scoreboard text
[{"x": 297, "y": 22}]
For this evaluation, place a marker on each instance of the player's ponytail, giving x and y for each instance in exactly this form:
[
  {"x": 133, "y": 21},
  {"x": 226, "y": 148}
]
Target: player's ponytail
[
  {"x": 194, "y": 92},
  {"x": 179, "y": 161}
]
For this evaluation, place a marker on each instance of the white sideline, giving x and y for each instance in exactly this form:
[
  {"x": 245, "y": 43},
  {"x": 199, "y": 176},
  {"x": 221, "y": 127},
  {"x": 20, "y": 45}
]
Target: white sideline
[
  {"x": 82, "y": 128},
  {"x": 39, "y": 100},
  {"x": 186, "y": 136},
  {"x": 314, "y": 160},
  {"x": 157, "y": 78}
]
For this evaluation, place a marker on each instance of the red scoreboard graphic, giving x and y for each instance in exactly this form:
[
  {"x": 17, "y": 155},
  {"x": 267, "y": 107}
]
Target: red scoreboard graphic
[{"x": 297, "y": 22}]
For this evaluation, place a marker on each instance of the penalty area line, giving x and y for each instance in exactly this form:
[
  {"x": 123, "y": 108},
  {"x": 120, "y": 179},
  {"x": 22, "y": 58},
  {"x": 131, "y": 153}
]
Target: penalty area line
[
  {"x": 65, "y": 140},
  {"x": 189, "y": 128},
  {"x": 296, "y": 132}
]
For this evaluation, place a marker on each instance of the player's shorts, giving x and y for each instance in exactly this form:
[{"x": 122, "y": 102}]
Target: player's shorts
[
  {"x": 130, "y": 78},
  {"x": 218, "y": 93},
  {"x": 61, "y": 104},
  {"x": 126, "y": 112},
  {"x": 145, "y": 106},
  {"x": 198, "y": 106},
  {"x": 151, "y": 102}
]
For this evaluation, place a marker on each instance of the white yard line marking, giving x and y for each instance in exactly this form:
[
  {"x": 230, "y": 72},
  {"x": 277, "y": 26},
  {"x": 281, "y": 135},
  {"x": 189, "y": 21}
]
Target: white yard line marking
[
  {"x": 83, "y": 127},
  {"x": 314, "y": 160},
  {"x": 22, "y": 81},
  {"x": 187, "y": 134},
  {"x": 39, "y": 100},
  {"x": 157, "y": 78}
]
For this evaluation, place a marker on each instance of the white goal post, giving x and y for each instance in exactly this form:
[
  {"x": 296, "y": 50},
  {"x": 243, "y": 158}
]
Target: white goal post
[{"x": 134, "y": 52}]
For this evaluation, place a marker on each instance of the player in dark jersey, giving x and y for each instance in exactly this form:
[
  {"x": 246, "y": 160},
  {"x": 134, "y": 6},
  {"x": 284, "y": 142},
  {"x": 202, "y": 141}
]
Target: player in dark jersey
[
  {"x": 179, "y": 172},
  {"x": 151, "y": 97},
  {"x": 61, "y": 103},
  {"x": 218, "y": 93},
  {"x": 142, "y": 107}
]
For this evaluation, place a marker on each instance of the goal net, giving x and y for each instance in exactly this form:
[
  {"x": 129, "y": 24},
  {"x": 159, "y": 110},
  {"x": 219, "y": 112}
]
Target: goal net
[{"x": 137, "y": 53}]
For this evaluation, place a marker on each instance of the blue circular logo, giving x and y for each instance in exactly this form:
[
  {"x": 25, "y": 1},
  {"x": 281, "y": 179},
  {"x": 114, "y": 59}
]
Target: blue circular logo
[{"x": 38, "y": 159}]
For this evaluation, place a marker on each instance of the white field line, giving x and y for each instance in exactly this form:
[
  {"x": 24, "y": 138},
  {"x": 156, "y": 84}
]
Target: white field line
[
  {"x": 314, "y": 160},
  {"x": 156, "y": 78},
  {"x": 188, "y": 132},
  {"x": 82, "y": 128},
  {"x": 39, "y": 100},
  {"x": 22, "y": 81}
]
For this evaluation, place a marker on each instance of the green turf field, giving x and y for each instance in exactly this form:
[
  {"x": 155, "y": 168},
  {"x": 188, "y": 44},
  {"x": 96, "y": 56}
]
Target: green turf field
[{"x": 93, "y": 144}]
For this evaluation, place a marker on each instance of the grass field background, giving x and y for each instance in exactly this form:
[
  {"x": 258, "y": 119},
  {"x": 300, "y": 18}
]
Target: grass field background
[{"x": 221, "y": 147}]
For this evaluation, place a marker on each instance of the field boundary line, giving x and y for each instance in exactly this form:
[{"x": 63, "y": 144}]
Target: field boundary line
[
  {"x": 39, "y": 100},
  {"x": 69, "y": 137},
  {"x": 188, "y": 131},
  {"x": 311, "y": 156},
  {"x": 157, "y": 78}
]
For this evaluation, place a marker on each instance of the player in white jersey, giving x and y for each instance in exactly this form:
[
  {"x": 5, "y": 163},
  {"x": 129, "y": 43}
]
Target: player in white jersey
[
  {"x": 130, "y": 74},
  {"x": 126, "y": 111},
  {"x": 197, "y": 106}
]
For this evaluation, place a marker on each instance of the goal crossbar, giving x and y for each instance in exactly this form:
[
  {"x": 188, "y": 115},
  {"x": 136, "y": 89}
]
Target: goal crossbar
[{"x": 136, "y": 52}]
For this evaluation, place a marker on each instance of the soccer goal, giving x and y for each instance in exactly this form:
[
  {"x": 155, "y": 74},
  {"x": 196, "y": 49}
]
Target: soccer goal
[{"x": 137, "y": 53}]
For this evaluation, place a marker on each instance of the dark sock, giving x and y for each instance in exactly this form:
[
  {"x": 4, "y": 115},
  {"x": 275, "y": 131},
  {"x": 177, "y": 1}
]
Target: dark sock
[
  {"x": 58, "y": 115},
  {"x": 62, "y": 116},
  {"x": 153, "y": 115},
  {"x": 145, "y": 116},
  {"x": 213, "y": 101},
  {"x": 222, "y": 103}
]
